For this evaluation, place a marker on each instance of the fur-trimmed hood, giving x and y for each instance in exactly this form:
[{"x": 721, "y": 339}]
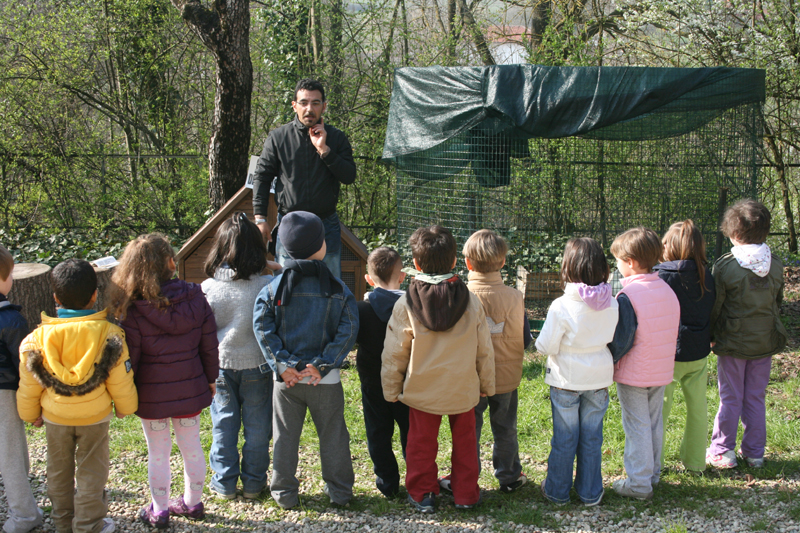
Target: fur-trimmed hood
[
  {"x": 97, "y": 375},
  {"x": 73, "y": 355}
]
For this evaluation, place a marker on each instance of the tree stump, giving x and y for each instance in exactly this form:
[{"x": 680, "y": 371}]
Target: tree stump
[
  {"x": 33, "y": 292},
  {"x": 103, "y": 282}
]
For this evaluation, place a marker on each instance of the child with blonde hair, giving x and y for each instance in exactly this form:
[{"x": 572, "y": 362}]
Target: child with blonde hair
[
  {"x": 747, "y": 331},
  {"x": 644, "y": 372},
  {"x": 485, "y": 254},
  {"x": 172, "y": 338},
  {"x": 580, "y": 368},
  {"x": 685, "y": 271}
]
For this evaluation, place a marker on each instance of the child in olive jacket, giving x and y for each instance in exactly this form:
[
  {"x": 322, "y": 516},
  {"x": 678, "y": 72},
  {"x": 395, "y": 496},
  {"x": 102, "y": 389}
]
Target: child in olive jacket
[{"x": 747, "y": 331}]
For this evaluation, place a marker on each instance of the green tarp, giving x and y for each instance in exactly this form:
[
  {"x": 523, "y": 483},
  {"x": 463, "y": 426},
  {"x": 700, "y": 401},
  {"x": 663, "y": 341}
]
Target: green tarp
[{"x": 432, "y": 105}]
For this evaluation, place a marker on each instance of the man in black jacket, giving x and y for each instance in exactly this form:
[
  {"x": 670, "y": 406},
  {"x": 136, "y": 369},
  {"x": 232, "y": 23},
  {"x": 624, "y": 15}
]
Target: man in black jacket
[{"x": 308, "y": 160}]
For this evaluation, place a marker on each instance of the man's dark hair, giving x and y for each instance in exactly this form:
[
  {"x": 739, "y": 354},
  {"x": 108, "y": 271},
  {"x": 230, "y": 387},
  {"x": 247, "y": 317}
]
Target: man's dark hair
[
  {"x": 746, "y": 221},
  {"x": 309, "y": 84},
  {"x": 74, "y": 283},
  {"x": 584, "y": 262},
  {"x": 434, "y": 248},
  {"x": 382, "y": 263}
]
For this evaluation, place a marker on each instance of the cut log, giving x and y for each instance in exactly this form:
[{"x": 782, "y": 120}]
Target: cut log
[
  {"x": 103, "y": 282},
  {"x": 32, "y": 290}
]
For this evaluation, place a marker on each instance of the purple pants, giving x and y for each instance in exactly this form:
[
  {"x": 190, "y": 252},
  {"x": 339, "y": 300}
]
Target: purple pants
[{"x": 742, "y": 389}]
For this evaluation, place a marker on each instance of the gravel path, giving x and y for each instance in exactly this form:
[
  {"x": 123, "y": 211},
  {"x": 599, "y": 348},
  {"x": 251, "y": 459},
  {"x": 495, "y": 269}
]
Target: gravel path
[{"x": 767, "y": 505}]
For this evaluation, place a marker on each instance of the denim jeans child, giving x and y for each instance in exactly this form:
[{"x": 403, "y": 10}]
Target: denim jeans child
[
  {"x": 333, "y": 243},
  {"x": 244, "y": 398},
  {"x": 577, "y": 431}
]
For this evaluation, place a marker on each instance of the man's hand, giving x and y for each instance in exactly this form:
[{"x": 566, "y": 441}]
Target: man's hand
[
  {"x": 291, "y": 376},
  {"x": 319, "y": 137},
  {"x": 311, "y": 372},
  {"x": 274, "y": 266},
  {"x": 266, "y": 231}
]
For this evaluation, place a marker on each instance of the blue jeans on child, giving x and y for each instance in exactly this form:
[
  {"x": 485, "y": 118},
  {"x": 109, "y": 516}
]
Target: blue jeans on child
[
  {"x": 244, "y": 397},
  {"x": 577, "y": 431},
  {"x": 333, "y": 242}
]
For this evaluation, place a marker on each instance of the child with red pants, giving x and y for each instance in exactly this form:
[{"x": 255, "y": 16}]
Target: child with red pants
[{"x": 438, "y": 359}]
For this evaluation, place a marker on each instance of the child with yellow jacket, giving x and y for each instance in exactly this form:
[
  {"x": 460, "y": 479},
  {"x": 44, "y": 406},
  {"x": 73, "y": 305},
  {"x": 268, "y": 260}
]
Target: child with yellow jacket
[{"x": 72, "y": 368}]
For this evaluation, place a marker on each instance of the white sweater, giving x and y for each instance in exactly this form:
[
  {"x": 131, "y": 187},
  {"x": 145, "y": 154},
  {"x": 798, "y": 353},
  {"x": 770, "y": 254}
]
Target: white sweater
[
  {"x": 232, "y": 303},
  {"x": 574, "y": 339}
]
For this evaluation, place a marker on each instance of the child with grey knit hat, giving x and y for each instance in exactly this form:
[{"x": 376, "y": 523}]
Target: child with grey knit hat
[{"x": 306, "y": 322}]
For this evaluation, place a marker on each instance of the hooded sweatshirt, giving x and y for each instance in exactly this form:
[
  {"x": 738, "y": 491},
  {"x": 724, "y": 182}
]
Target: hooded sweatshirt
[
  {"x": 174, "y": 351},
  {"x": 72, "y": 369},
  {"x": 578, "y": 327},
  {"x": 373, "y": 315},
  {"x": 434, "y": 370}
]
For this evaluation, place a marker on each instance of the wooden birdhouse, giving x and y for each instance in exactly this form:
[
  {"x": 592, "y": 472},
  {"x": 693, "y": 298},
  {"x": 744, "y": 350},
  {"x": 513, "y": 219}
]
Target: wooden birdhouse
[{"x": 193, "y": 254}]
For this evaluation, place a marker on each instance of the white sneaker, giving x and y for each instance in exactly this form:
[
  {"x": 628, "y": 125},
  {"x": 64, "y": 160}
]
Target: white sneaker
[
  {"x": 754, "y": 462},
  {"x": 108, "y": 526},
  {"x": 723, "y": 460}
]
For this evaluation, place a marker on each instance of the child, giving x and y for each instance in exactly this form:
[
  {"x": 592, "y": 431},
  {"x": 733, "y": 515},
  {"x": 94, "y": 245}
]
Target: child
[
  {"x": 485, "y": 254},
  {"x": 747, "y": 330},
  {"x": 438, "y": 360},
  {"x": 173, "y": 342},
  {"x": 306, "y": 323},
  {"x": 72, "y": 368},
  {"x": 647, "y": 368},
  {"x": 685, "y": 271},
  {"x": 580, "y": 369},
  {"x": 244, "y": 386},
  {"x": 384, "y": 274},
  {"x": 23, "y": 514}
]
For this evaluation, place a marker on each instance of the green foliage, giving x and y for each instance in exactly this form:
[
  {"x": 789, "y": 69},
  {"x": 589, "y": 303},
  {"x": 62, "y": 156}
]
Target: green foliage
[{"x": 51, "y": 248}]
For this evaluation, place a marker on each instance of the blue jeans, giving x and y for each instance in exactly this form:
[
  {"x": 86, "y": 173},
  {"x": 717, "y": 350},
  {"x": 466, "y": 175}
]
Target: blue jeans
[
  {"x": 333, "y": 242},
  {"x": 577, "y": 432},
  {"x": 244, "y": 397}
]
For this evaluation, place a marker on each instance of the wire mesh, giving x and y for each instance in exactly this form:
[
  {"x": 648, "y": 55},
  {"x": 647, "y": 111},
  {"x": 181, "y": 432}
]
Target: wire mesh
[{"x": 539, "y": 192}]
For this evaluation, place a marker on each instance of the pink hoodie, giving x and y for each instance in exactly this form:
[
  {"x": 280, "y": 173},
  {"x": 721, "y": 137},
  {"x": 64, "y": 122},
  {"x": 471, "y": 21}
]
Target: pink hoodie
[{"x": 651, "y": 360}]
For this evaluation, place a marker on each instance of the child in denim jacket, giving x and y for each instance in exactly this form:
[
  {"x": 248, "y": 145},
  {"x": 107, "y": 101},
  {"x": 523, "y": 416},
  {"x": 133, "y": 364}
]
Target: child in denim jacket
[{"x": 306, "y": 322}]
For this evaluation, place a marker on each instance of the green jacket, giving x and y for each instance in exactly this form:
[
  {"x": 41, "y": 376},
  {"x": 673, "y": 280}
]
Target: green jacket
[{"x": 745, "y": 320}]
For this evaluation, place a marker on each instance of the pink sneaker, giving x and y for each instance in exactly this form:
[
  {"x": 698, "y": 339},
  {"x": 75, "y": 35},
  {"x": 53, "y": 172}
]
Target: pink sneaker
[{"x": 723, "y": 460}]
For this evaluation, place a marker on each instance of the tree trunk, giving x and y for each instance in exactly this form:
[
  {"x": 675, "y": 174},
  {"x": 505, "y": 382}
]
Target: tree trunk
[
  {"x": 33, "y": 292},
  {"x": 336, "y": 57},
  {"x": 787, "y": 205},
  {"x": 477, "y": 34},
  {"x": 225, "y": 30},
  {"x": 539, "y": 22}
]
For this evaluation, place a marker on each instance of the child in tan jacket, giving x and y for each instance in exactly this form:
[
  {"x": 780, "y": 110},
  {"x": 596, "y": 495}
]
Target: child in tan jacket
[{"x": 438, "y": 359}]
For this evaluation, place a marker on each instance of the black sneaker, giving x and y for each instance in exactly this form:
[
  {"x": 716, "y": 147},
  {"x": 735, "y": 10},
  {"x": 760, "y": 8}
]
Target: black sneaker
[
  {"x": 426, "y": 505},
  {"x": 511, "y": 487}
]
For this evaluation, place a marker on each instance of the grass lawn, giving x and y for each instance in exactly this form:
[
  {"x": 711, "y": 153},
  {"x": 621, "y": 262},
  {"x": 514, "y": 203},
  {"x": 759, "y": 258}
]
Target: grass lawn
[{"x": 676, "y": 490}]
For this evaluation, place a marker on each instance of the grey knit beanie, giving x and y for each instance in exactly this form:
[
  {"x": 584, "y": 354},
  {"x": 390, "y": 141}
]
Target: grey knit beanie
[{"x": 301, "y": 233}]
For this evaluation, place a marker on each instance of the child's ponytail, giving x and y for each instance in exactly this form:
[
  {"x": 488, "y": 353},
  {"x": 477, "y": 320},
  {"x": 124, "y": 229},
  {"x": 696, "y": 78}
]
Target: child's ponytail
[
  {"x": 143, "y": 267},
  {"x": 683, "y": 240},
  {"x": 239, "y": 244}
]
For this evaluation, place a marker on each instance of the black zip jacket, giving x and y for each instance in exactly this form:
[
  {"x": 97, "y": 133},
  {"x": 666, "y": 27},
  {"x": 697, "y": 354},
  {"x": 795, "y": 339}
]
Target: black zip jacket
[
  {"x": 13, "y": 328},
  {"x": 306, "y": 181}
]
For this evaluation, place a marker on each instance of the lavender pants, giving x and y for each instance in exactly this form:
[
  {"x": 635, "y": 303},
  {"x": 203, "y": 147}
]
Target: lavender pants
[{"x": 742, "y": 392}]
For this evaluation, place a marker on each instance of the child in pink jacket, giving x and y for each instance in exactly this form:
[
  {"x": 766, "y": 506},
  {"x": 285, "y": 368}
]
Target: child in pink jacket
[{"x": 645, "y": 371}]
